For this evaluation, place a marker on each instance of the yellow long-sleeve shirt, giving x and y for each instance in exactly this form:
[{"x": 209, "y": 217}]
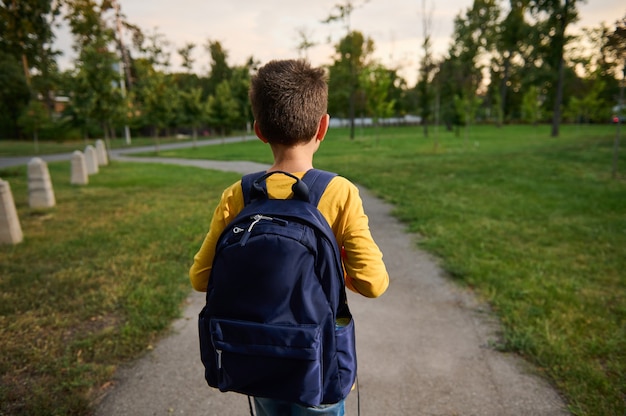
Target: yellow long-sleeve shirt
[{"x": 342, "y": 207}]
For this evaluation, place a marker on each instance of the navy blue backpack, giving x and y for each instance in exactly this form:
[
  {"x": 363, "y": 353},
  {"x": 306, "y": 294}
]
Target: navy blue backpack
[{"x": 276, "y": 322}]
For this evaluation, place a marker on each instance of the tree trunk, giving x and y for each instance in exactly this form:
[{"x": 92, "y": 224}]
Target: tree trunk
[
  {"x": 619, "y": 122},
  {"x": 36, "y": 141},
  {"x": 351, "y": 113},
  {"x": 504, "y": 87},
  {"x": 556, "y": 118}
]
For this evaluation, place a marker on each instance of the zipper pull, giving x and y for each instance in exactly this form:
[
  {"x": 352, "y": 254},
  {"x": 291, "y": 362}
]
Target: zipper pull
[
  {"x": 257, "y": 218},
  {"x": 246, "y": 236},
  {"x": 219, "y": 359}
]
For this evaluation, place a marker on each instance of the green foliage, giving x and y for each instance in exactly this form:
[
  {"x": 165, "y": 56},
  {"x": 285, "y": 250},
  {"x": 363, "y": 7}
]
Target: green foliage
[
  {"x": 14, "y": 94},
  {"x": 156, "y": 98},
  {"x": 521, "y": 41},
  {"x": 220, "y": 70},
  {"x": 222, "y": 108},
  {"x": 531, "y": 106},
  {"x": 33, "y": 118},
  {"x": 376, "y": 82},
  {"x": 96, "y": 93},
  {"x": 352, "y": 57},
  {"x": 26, "y": 32},
  {"x": 589, "y": 108},
  {"x": 194, "y": 110}
]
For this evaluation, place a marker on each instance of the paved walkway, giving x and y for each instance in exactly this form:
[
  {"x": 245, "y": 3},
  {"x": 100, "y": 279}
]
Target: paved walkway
[
  {"x": 121, "y": 152},
  {"x": 424, "y": 347}
]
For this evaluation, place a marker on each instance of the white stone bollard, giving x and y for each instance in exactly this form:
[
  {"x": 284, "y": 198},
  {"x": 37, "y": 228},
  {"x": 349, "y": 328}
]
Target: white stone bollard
[
  {"x": 79, "y": 169},
  {"x": 40, "y": 192},
  {"x": 10, "y": 229},
  {"x": 91, "y": 159},
  {"x": 101, "y": 150}
]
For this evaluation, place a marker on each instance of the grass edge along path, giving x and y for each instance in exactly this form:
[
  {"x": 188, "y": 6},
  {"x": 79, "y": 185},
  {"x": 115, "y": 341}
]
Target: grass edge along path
[{"x": 534, "y": 224}]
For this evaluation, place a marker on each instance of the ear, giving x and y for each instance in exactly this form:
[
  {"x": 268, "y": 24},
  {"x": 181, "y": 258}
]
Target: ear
[
  {"x": 258, "y": 133},
  {"x": 322, "y": 128}
]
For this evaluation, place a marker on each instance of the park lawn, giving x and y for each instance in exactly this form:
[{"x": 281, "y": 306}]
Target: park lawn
[
  {"x": 534, "y": 224},
  {"x": 97, "y": 279}
]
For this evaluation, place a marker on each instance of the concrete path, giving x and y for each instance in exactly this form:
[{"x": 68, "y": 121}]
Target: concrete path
[{"x": 424, "y": 347}]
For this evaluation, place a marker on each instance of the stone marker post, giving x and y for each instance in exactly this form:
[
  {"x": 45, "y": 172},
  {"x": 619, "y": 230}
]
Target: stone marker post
[
  {"x": 10, "y": 229},
  {"x": 79, "y": 169},
  {"x": 101, "y": 150},
  {"x": 91, "y": 159},
  {"x": 40, "y": 192}
]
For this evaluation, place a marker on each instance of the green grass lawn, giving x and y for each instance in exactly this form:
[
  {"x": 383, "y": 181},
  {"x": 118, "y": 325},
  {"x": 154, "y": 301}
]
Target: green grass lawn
[
  {"x": 97, "y": 279},
  {"x": 535, "y": 225}
]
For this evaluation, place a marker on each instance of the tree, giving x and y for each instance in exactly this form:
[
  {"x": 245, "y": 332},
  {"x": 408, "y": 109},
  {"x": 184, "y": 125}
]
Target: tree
[
  {"x": 14, "y": 94},
  {"x": 155, "y": 50},
  {"x": 97, "y": 92},
  {"x": 510, "y": 35},
  {"x": 617, "y": 43},
  {"x": 445, "y": 89},
  {"x": 239, "y": 87},
  {"x": 589, "y": 106},
  {"x": 305, "y": 43},
  {"x": 560, "y": 13},
  {"x": 26, "y": 37},
  {"x": 185, "y": 54},
  {"x": 222, "y": 108},
  {"x": 194, "y": 110},
  {"x": 26, "y": 31},
  {"x": 33, "y": 119},
  {"x": 220, "y": 71},
  {"x": 473, "y": 36},
  {"x": 424, "y": 88},
  {"x": 376, "y": 81},
  {"x": 531, "y": 105},
  {"x": 352, "y": 56},
  {"x": 348, "y": 54},
  {"x": 156, "y": 97}
]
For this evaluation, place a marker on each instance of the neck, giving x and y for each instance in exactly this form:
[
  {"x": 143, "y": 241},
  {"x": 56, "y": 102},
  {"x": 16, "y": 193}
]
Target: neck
[{"x": 293, "y": 159}]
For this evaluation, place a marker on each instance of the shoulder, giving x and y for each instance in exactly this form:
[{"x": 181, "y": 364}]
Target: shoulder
[
  {"x": 341, "y": 199},
  {"x": 231, "y": 202},
  {"x": 340, "y": 187},
  {"x": 233, "y": 191}
]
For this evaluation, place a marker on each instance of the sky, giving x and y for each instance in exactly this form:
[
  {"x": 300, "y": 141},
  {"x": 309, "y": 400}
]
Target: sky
[{"x": 268, "y": 29}]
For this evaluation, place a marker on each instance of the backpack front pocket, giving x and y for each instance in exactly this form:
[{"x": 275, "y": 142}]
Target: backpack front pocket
[{"x": 266, "y": 360}]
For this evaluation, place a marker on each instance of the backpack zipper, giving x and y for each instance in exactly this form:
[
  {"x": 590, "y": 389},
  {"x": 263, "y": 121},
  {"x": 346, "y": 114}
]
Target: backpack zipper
[{"x": 257, "y": 218}]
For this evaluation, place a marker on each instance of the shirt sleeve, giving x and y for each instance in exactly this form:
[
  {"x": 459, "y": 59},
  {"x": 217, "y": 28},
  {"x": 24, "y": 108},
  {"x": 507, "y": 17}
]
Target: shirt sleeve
[
  {"x": 363, "y": 261},
  {"x": 230, "y": 204}
]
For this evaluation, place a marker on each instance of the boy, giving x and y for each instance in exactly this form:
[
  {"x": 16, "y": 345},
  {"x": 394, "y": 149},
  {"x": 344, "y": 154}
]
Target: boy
[{"x": 289, "y": 102}]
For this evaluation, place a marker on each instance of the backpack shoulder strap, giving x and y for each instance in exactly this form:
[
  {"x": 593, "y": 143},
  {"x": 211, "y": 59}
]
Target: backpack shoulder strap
[
  {"x": 317, "y": 180},
  {"x": 246, "y": 185}
]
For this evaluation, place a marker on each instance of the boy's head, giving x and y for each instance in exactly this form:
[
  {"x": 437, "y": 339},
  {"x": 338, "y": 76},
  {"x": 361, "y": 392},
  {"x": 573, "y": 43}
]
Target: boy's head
[{"x": 288, "y": 98}]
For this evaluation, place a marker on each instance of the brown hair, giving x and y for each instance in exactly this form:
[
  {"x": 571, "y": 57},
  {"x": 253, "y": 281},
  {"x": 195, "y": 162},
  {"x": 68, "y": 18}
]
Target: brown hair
[{"x": 288, "y": 98}]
